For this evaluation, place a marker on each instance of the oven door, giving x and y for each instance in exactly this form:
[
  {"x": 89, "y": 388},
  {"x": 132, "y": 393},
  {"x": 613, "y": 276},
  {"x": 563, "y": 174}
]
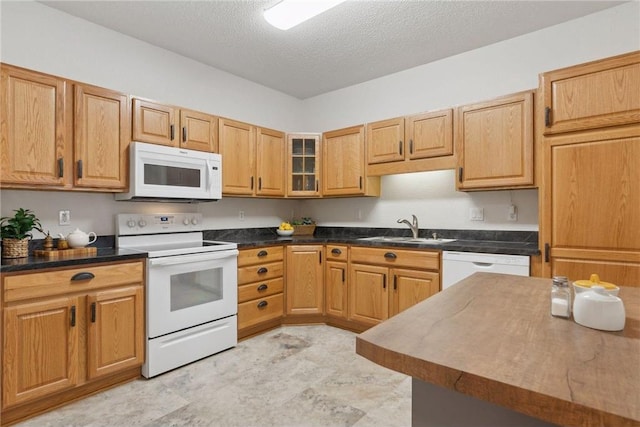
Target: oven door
[{"x": 188, "y": 290}]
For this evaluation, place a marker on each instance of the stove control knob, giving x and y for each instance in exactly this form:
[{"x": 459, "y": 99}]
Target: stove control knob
[
  {"x": 131, "y": 223},
  {"x": 142, "y": 223},
  {"x": 186, "y": 221},
  {"x": 194, "y": 221}
]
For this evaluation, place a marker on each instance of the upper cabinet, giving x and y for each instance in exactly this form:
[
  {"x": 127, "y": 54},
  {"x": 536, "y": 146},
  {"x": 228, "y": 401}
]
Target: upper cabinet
[
  {"x": 343, "y": 164},
  {"x": 303, "y": 155},
  {"x": 411, "y": 144},
  {"x": 253, "y": 162},
  {"x": 60, "y": 134},
  {"x": 167, "y": 125},
  {"x": 494, "y": 143},
  {"x": 594, "y": 95}
]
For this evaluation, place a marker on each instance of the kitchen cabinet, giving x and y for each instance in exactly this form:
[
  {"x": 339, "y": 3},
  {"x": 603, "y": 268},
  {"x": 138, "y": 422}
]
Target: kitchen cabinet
[
  {"x": 260, "y": 289},
  {"x": 68, "y": 332},
  {"x": 163, "y": 124},
  {"x": 590, "y": 198},
  {"x": 414, "y": 143},
  {"x": 253, "y": 161},
  {"x": 343, "y": 164},
  {"x": 494, "y": 143},
  {"x": 595, "y": 95},
  {"x": 305, "y": 280},
  {"x": 336, "y": 281},
  {"x": 386, "y": 281},
  {"x": 303, "y": 155},
  {"x": 60, "y": 134}
]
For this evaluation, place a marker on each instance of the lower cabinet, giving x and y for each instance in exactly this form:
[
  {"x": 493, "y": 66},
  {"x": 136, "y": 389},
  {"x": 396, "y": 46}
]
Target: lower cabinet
[
  {"x": 69, "y": 329},
  {"x": 260, "y": 289},
  {"x": 336, "y": 281},
  {"x": 305, "y": 280},
  {"x": 386, "y": 281}
]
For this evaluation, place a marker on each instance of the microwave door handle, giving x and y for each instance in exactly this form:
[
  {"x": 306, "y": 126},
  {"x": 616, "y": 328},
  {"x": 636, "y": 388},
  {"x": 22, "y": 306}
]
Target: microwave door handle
[
  {"x": 185, "y": 259},
  {"x": 209, "y": 177}
]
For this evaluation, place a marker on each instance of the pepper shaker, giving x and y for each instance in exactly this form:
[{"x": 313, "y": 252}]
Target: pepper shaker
[{"x": 560, "y": 297}]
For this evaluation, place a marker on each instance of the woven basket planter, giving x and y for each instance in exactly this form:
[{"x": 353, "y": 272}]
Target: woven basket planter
[
  {"x": 15, "y": 248},
  {"x": 304, "y": 230}
]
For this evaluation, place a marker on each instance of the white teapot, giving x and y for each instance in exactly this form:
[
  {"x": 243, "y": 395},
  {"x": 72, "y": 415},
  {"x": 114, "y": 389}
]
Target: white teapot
[{"x": 80, "y": 239}]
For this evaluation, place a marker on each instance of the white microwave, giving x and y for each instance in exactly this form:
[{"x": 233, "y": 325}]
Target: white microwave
[{"x": 170, "y": 174}]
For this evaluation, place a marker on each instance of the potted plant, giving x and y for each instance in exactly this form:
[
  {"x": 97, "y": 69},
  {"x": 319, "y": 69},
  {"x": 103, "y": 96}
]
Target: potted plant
[
  {"x": 16, "y": 231},
  {"x": 303, "y": 227}
]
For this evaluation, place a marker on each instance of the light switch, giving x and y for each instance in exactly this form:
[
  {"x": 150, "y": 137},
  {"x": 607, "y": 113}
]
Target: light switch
[{"x": 476, "y": 214}]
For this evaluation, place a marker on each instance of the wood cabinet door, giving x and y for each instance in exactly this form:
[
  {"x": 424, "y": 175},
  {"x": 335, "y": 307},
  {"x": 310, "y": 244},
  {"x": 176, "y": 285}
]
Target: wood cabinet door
[
  {"x": 343, "y": 171},
  {"x": 35, "y": 128},
  {"x": 305, "y": 281},
  {"x": 303, "y": 168},
  {"x": 40, "y": 349},
  {"x": 101, "y": 138},
  {"x": 430, "y": 134},
  {"x": 592, "y": 205},
  {"x": 198, "y": 131},
  {"x": 238, "y": 149},
  {"x": 494, "y": 143},
  {"x": 410, "y": 287},
  {"x": 368, "y": 294},
  {"x": 115, "y": 332},
  {"x": 385, "y": 141},
  {"x": 593, "y": 95},
  {"x": 336, "y": 289},
  {"x": 154, "y": 123},
  {"x": 270, "y": 162}
]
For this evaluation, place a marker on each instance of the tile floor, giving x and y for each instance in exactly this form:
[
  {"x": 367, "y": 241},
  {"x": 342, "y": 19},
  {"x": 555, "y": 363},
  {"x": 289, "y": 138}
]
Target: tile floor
[{"x": 292, "y": 376}]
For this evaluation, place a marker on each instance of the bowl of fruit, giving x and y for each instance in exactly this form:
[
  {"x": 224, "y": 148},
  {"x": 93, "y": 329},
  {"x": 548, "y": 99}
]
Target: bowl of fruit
[{"x": 285, "y": 229}]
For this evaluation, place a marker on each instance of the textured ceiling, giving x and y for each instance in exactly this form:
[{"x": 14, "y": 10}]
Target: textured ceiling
[{"x": 352, "y": 43}]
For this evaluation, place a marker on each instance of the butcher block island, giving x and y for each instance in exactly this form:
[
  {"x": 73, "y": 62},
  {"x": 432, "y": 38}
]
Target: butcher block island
[{"x": 487, "y": 351}]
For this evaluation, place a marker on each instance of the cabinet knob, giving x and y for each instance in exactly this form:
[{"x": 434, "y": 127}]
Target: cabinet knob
[
  {"x": 390, "y": 255},
  {"x": 262, "y": 270},
  {"x": 263, "y": 287},
  {"x": 263, "y": 253},
  {"x": 263, "y": 304},
  {"x": 336, "y": 251}
]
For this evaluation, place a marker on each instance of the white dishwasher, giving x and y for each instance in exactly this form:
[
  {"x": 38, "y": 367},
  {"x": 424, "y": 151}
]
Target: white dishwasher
[{"x": 458, "y": 265}]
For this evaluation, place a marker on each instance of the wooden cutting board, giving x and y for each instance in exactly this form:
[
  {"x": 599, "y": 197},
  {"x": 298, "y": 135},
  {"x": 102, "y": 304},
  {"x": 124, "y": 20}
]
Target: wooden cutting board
[{"x": 64, "y": 253}]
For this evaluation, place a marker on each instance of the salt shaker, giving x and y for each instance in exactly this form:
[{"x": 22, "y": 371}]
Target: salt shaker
[{"x": 560, "y": 297}]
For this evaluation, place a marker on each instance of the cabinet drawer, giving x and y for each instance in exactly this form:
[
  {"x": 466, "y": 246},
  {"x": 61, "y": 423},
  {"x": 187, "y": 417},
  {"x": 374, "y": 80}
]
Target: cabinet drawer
[
  {"x": 261, "y": 289},
  {"x": 260, "y": 255},
  {"x": 254, "y": 273},
  {"x": 64, "y": 281},
  {"x": 423, "y": 260},
  {"x": 260, "y": 310},
  {"x": 337, "y": 253}
]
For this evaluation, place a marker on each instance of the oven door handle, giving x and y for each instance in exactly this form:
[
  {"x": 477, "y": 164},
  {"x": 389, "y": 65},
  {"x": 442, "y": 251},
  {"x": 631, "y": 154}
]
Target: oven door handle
[{"x": 186, "y": 259}]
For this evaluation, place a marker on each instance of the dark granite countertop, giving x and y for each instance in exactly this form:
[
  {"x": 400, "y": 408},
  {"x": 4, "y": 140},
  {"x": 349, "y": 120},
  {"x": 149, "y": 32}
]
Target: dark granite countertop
[{"x": 496, "y": 242}]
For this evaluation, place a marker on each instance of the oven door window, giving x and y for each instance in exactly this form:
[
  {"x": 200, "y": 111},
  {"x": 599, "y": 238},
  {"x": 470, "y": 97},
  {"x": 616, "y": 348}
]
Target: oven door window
[{"x": 195, "y": 288}]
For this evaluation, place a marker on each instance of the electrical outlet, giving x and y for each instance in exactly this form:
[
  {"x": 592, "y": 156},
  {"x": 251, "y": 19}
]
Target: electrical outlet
[
  {"x": 64, "y": 217},
  {"x": 241, "y": 215},
  {"x": 513, "y": 213},
  {"x": 476, "y": 214}
]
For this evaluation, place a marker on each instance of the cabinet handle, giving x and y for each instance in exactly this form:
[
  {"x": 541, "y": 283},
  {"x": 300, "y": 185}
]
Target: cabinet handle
[
  {"x": 93, "y": 312},
  {"x": 361, "y": 182},
  {"x": 320, "y": 257},
  {"x": 400, "y": 147},
  {"x": 252, "y": 183},
  {"x": 262, "y": 270},
  {"x": 172, "y": 128},
  {"x": 79, "y": 168},
  {"x": 85, "y": 275},
  {"x": 547, "y": 255},
  {"x": 61, "y": 167},
  {"x": 263, "y": 304},
  {"x": 263, "y": 287},
  {"x": 384, "y": 281},
  {"x": 317, "y": 186},
  {"x": 260, "y": 183},
  {"x": 411, "y": 146},
  {"x": 460, "y": 175},
  {"x": 390, "y": 255},
  {"x": 184, "y": 134},
  {"x": 547, "y": 116},
  {"x": 73, "y": 315},
  {"x": 395, "y": 282},
  {"x": 263, "y": 253},
  {"x": 343, "y": 275},
  {"x": 336, "y": 251}
]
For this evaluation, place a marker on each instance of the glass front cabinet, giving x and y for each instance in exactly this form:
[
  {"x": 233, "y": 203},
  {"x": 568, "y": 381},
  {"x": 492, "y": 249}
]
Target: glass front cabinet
[{"x": 304, "y": 165}]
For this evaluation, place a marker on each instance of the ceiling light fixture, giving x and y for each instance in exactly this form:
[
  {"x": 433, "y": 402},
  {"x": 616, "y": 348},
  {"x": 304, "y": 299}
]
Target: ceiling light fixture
[{"x": 289, "y": 13}]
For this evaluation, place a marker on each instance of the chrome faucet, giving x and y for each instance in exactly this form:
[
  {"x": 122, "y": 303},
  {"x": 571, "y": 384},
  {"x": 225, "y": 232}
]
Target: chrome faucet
[{"x": 413, "y": 227}]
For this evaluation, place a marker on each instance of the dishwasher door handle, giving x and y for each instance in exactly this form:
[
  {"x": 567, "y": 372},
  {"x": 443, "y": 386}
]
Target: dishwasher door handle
[{"x": 483, "y": 264}]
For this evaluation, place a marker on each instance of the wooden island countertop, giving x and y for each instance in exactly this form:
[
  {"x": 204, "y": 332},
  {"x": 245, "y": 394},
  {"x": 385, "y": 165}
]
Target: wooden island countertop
[{"x": 492, "y": 337}]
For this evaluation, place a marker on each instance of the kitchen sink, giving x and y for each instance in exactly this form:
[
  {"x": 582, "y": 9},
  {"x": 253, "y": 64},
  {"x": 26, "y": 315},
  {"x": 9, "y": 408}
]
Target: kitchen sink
[{"x": 417, "y": 241}]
